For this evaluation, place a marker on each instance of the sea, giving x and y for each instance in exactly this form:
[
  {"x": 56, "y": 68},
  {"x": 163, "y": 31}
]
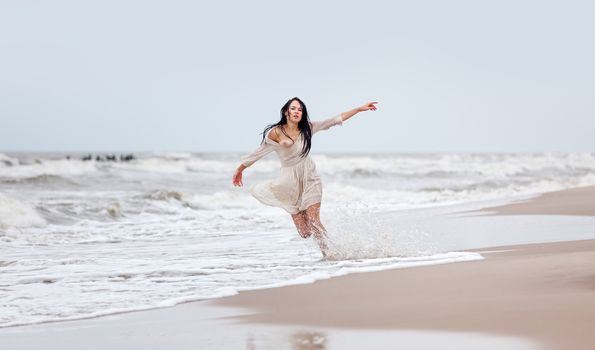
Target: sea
[{"x": 83, "y": 236}]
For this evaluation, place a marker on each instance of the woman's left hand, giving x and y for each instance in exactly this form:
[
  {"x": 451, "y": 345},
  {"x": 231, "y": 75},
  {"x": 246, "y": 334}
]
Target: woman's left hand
[
  {"x": 367, "y": 107},
  {"x": 237, "y": 177}
]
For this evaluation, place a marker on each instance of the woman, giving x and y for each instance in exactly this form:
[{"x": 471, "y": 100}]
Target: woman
[{"x": 297, "y": 189}]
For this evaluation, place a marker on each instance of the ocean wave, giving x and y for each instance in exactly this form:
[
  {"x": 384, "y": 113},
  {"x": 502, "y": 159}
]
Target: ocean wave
[
  {"x": 173, "y": 165},
  {"x": 223, "y": 200},
  {"x": 408, "y": 197},
  {"x": 163, "y": 195},
  {"x": 118, "y": 291},
  {"x": 64, "y": 212},
  {"x": 6, "y": 161},
  {"x": 18, "y": 214},
  {"x": 212, "y": 201},
  {"x": 173, "y": 155},
  {"x": 439, "y": 166},
  {"x": 38, "y": 179},
  {"x": 47, "y": 169},
  {"x": 501, "y": 166},
  {"x": 154, "y": 165},
  {"x": 167, "y": 228}
]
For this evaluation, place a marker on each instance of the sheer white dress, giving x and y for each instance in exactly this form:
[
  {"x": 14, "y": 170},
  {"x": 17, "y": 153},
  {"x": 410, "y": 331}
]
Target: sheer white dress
[{"x": 298, "y": 184}]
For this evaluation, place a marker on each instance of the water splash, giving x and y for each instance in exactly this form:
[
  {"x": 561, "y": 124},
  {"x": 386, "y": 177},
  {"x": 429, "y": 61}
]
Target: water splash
[{"x": 357, "y": 232}]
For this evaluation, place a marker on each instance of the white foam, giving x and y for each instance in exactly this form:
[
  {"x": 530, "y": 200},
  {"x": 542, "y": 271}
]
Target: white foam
[
  {"x": 223, "y": 200},
  {"x": 173, "y": 155},
  {"x": 155, "y": 165},
  {"x": 40, "y": 296},
  {"x": 16, "y": 213},
  {"x": 346, "y": 267},
  {"x": 61, "y": 167},
  {"x": 494, "y": 165},
  {"x": 179, "y": 164},
  {"x": 6, "y": 161},
  {"x": 168, "y": 228}
]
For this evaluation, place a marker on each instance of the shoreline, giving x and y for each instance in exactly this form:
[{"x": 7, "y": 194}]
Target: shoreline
[{"x": 540, "y": 291}]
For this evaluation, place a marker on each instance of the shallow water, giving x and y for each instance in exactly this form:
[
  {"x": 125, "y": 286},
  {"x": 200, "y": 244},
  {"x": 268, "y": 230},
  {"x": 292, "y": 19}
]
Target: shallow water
[{"x": 84, "y": 238}]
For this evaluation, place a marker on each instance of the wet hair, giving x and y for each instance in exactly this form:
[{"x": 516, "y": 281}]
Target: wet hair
[{"x": 303, "y": 125}]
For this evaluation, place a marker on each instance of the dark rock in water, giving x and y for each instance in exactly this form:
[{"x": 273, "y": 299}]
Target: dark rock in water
[
  {"x": 108, "y": 158},
  {"x": 127, "y": 157},
  {"x": 7, "y": 162}
]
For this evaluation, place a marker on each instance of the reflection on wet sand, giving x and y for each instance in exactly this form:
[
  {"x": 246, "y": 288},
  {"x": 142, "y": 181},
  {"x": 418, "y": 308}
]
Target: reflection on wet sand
[
  {"x": 298, "y": 341},
  {"x": 308, "y": 341},
  {"x": 250, "y": 343}
]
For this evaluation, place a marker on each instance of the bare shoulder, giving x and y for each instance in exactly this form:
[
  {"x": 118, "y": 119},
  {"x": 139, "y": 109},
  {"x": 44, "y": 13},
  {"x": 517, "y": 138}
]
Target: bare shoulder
[{"x": 274, "y": 134}]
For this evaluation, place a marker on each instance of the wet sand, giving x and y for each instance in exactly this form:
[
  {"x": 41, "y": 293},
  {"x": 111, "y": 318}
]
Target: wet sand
[
  {"x": 518, "y": 297},
  {"x": 542, "y": 291}
]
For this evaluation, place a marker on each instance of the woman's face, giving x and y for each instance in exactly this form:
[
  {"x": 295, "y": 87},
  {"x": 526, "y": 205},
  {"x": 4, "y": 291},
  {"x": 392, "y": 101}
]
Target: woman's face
[{"x": 294, "y": 113}]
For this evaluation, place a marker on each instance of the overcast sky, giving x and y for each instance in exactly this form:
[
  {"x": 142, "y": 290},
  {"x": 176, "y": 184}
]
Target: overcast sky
[{"x": 450, "y": 76}]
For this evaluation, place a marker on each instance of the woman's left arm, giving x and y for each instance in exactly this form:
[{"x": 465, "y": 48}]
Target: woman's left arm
[
  {"x": 340, "y": 118},
  {"x": 366, "y": 107}
]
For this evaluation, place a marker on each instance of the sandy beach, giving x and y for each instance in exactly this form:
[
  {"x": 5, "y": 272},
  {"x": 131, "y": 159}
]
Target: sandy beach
[
  {"x": 575, "y": 201},
  {"x": 407, "y": 175},
  {"x": 542, "y": 291},
  {"x": 530, "y": 296},
  {"x": 545, "y": 292}
]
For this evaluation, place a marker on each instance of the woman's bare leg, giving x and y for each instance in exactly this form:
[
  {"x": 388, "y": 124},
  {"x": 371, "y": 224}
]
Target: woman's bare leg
[
  {"x": 301, "y": 224},
  {"x": 312, "y": 215}
]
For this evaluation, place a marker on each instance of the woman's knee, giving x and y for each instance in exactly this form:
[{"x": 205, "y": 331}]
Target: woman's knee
[{"x": 304, "y": 230}]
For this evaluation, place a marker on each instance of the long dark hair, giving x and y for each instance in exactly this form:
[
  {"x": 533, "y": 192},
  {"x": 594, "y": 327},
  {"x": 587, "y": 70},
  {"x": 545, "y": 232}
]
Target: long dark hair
[{"x": 303, "y": 125}]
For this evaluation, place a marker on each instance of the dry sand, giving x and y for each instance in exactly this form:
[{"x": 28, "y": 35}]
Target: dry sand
[
  {"x": 542, "y": 291},
  {"x": 576, "y": 201},
  {"x": 537, "y": 294}
]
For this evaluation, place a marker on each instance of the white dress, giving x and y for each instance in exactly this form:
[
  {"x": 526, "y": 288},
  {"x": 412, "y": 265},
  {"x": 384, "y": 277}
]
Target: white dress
[{"x": 298, "y": 184}]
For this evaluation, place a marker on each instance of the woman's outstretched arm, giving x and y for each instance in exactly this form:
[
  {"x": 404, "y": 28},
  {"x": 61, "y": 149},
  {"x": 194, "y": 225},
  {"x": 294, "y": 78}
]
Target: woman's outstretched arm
[
  {"x": 340, "y": 118},
  {"x": 247, "y": 160},
  {"x": 350, "y": 113}
]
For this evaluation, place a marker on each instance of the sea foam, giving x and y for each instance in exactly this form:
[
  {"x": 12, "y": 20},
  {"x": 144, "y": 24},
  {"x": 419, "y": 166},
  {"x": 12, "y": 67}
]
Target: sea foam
[{"x": 87, "y": 238}]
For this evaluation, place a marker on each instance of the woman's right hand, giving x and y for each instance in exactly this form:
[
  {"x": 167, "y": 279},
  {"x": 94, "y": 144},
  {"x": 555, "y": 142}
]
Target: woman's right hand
[
  {"x": 367, "y": 107},
  {"x": 237, "y": 177}
]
